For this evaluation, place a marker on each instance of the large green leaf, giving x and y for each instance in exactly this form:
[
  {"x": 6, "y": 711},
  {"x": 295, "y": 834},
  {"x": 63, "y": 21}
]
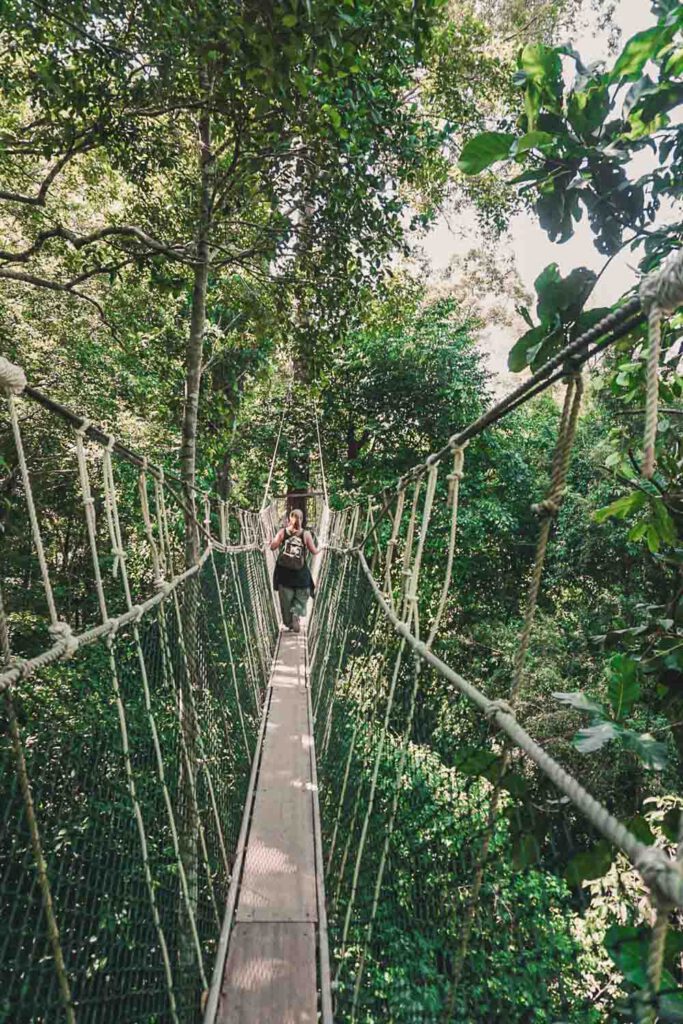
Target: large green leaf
[
  {"x": 518, "y": 359},
  {"x": 624, "y": 506},
  {"x": 640, "y": 48},
  {"x": 593, "y": 737},
  {"x": 562, "y": 296},
  {"x": 623, "y": 688},
  {"x": 653, "y": 753},
  {"x": 540, "y": 76},
  {"x": 484, "y": 150},
  {"x": 580, "y": 701}
]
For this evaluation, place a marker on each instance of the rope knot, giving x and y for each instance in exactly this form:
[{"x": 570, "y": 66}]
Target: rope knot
[
  {"x": 84, "y": 427},
  {"x": 663, "y": 289},
  {"x": 546, "y": 509},
  {"x": 12, "y": 377},
  {"x": 653, "y": 864},
  {"x": 138, "y": 611},
  {"x": 498, "y": 707},
  {"x": 62, "y": 632}
]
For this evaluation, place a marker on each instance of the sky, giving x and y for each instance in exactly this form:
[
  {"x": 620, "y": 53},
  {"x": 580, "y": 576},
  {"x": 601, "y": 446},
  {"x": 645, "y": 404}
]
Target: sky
[{"x": 527, "y": 244}]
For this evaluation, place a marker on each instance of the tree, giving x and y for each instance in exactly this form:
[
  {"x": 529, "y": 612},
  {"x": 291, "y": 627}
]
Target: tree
[{"x": 223, "y": 106}]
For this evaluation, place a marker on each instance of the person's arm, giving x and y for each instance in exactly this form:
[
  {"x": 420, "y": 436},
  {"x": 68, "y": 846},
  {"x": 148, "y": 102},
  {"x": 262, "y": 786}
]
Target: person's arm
[
  {"x": 309, "y": 544},
  {"x": 277, "y": 540}
]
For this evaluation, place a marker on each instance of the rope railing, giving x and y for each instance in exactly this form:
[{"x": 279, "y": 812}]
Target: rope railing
[
  {"x": 133, "y": 703},
  {"x": 380, "y": 692}
]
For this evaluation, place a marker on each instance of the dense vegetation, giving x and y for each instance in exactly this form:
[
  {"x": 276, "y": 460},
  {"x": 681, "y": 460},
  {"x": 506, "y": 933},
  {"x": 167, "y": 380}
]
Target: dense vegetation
[{"x": 202, "y": 210}]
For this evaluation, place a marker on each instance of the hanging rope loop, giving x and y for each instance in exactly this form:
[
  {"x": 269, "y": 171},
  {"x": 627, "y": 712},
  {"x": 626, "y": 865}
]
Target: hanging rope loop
[{"x": 12, "y": 377}]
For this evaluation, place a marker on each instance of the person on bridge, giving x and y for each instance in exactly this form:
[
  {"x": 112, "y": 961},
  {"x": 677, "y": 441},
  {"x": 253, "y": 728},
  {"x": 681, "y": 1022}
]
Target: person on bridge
[{"x": 292, "y": 578}]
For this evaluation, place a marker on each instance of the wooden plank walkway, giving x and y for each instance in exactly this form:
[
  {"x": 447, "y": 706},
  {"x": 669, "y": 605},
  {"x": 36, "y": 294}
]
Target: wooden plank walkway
[{"x": 276, "y": 966}]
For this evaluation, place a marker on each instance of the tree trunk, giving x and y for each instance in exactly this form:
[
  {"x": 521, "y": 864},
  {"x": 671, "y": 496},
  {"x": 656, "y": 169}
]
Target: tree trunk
[
  {"x": 190, "y": 688},
  {"x": 351, "y": 454},
  {"x": 195, "y": 341}
]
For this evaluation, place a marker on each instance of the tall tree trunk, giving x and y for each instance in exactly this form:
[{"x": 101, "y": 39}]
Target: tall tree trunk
[
  {"x": 189, "y": 690},
  {"x": 195, "y": 341},
  {"x": 351, "y": 454}
]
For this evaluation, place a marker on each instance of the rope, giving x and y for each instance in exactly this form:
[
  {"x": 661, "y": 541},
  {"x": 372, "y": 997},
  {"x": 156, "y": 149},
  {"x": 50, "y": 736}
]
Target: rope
[
  {"x": 91, "y": 526},
  {"x": 266, "y": 493},
  {"x": 320, "y": 457},
  {"x": 668, "y": 877},
  {"x": 34, "y": 832},
  {"x": 660, "y": 294}
]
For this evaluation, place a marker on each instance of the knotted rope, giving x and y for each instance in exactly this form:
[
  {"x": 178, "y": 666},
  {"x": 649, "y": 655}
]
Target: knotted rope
[
  {"x": 660, "y": 294},
  {"x": 12, "y": 377}
]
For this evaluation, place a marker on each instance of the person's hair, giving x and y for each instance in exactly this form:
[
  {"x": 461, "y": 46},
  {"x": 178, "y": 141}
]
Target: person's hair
[{"x": 298, "y": 515}]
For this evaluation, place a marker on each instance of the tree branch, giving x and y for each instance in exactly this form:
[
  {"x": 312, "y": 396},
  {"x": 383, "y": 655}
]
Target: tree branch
[{"x": 80, "y": 241}]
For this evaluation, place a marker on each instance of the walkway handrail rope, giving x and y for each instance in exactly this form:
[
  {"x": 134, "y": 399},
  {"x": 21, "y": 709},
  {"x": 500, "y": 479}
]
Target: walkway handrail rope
[
  {"x": 661, "y": 292},
  {"x": 662, "y": 874},
  {"x": 135, "y": 701},
  {"x": 659, "y": 870}
]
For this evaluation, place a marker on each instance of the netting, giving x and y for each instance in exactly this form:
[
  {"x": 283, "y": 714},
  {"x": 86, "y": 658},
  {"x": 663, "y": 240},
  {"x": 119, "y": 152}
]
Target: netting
[
  {"x": 456, "y": 849},
  {"x": 131, "y": 695}
]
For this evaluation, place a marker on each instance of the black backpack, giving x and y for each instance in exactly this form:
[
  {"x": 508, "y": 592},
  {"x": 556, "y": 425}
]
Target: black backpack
[{"x": 293, "y": 551}]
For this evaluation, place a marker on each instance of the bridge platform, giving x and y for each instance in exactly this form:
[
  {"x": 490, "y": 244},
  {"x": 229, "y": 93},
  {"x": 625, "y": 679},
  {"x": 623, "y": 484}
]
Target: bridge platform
[{"x": 272, "y": 965}]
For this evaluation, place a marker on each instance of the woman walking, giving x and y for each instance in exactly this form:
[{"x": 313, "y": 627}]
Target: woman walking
[{"x": 292, "y": 578}]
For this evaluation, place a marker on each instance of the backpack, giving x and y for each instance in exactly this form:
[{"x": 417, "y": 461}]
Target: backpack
[{"x": 293, "y": 552}]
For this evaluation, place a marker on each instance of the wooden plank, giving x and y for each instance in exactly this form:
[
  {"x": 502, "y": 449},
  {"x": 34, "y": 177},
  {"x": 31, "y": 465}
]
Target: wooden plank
[
  {"x": 270, "y": 976},
  {"x": 278, "y": 883},
  {"x": 289, "y": 669},
  {"x": 287, "y": 743}
]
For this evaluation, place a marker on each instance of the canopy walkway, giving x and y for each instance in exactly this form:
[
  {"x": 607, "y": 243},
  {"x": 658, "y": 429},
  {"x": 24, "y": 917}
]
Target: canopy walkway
[{"x": 208, "y": 818}]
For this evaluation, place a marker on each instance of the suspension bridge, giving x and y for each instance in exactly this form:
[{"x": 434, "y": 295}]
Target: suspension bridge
[{"x": 208, "y": 818}]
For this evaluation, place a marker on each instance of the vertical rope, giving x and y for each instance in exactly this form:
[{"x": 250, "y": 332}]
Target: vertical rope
[
  {"x": 547, "y": 509},
  {"x": 320, "y": 457},
  {"x": 266, "y": 493},
  {"x": 454, "y": 479},
  {"x": 88, "y": 503},
  {"x": 34, "y": 832},
  {"x": 660, "y": 293}
]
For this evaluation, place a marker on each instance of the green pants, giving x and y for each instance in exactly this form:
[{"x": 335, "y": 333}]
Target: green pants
[{"x": 293, "y": 601}]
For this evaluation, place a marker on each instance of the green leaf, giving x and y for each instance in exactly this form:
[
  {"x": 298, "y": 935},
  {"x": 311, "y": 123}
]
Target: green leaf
[
  {"x": 532, "y": 140},
  {"x": 624, "y": 506},
  {"x": 590, "y": 864},
  {"x": 663, "y": 521},
  {"x": 639, "y": 827},
  {"x": 638, "y": 51},
  {"x": 580, "y": 701},
  {"x": 651, "y": 752},
  {"x": 623, "y": 688},
  {"x": 484, "y": 150},
  {"x": 525, "y": 850},
  {"x": 593, "y": 737},
  {"x": 562, "y": 296},
  {"x": 540, "y": 76},
  {"x": 474, "y": 761},
  {"x": 518, "y": 359}
]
